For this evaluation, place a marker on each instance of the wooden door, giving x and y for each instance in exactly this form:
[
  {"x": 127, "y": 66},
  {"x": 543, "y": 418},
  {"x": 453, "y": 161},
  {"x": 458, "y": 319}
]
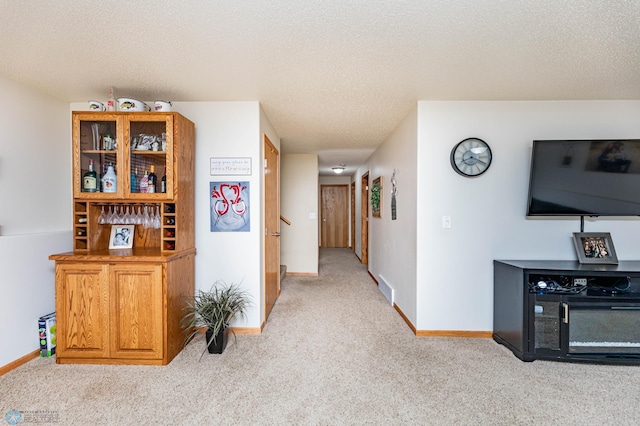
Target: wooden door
[
  {"x": 364, "y": 214},
  {"x": 353, "y": 216},
  {"x": 335, "y": 220},
  {"x": 136, "y": 311},
  {"x": 272, "y": 225},
  {"x": 82, "y": 310}
]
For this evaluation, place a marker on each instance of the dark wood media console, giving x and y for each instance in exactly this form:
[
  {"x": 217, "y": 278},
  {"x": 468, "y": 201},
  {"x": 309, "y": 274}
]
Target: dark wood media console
[{"x": 568, "y": 311}]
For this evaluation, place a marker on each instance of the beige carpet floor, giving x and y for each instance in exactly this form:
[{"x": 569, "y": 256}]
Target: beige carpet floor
[{"x": 333, "y": 352}]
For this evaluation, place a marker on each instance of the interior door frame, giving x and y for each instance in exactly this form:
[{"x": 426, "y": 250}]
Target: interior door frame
[
  {"x": 364, "y": 219},
  {"x": 352, "y": 224},
  {"x": 271, "y": 233}
]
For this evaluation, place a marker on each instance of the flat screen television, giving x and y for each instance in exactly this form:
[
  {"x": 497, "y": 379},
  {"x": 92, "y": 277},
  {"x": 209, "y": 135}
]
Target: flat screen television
[{"x": 585, "y": 178}]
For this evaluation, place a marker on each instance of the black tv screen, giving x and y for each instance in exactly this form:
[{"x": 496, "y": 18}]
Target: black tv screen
[{"x": 585, "y": 178}]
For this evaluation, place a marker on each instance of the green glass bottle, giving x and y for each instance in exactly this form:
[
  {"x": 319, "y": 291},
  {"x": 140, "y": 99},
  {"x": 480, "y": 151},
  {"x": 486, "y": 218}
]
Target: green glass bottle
[{"x": 90, "y": 179}]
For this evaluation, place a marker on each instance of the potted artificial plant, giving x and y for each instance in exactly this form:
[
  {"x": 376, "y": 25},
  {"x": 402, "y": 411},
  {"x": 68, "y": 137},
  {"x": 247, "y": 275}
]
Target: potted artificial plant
[{"x": 214, "y": 310}]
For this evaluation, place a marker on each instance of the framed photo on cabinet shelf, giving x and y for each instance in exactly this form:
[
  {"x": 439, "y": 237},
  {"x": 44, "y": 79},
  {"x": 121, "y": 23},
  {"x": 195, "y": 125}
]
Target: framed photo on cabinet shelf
[
  {"x": 595, "y": 247},
  {"x": 121, "y": 237}
]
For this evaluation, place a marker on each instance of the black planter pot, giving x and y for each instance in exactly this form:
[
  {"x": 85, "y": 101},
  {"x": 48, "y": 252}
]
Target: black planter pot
[{"x": 217, "y": 345}]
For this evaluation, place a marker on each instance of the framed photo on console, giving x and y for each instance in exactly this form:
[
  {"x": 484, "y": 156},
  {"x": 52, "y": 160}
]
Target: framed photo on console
[
  {"x": 121, "y": 237},
  {"x": 595, "y": 247}
]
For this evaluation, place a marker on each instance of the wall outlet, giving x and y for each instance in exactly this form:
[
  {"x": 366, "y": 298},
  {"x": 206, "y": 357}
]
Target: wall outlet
[
  {"x": 579, "y": 281},
  {"x": 446, "y": 222}
]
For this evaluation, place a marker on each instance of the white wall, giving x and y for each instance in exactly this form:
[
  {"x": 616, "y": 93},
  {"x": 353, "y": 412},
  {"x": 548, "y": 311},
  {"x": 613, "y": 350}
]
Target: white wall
[
  {"x": 392, "y": 243},
  {"x": 455, "y": 270},
  {"x": 334, "y": 180},
  {"x": 299, "y": 204},
  {"x": 28, "y": 289},
  {"x": 35, "y": 211},
  {"x": 228, "y": 129},
  {"x": 35, "y": 161},
  {"x": 266, "y": 128}
]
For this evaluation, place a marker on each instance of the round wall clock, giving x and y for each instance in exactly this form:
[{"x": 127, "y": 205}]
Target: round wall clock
[{"x": 471, "y": 157}]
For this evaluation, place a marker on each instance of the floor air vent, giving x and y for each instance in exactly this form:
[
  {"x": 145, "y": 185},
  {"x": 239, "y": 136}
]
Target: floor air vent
[{"x": 386, "y": 289}]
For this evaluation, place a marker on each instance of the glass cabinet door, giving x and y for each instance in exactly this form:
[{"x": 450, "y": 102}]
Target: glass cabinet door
[
  {"x": 97, "y": 162},
  {"x": 544, "y": 324},
  {"x": 150, "y": 156},
  {"x": 604, "y": 328}
]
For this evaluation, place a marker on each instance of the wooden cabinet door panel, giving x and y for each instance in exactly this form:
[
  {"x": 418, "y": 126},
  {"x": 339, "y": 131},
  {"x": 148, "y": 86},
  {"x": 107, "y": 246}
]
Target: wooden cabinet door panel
[
  {"x": 137, "y": 311},
  {"x": 82, "y": 308}
]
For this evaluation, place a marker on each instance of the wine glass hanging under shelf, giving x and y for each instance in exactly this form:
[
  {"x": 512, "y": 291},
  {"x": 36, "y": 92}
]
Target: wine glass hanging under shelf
[{"x": 147, "y": 215}]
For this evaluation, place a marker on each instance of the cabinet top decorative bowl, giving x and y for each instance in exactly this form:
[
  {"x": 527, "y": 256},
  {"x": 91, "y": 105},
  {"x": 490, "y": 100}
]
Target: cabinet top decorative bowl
[{"x": 128, "y": 104}]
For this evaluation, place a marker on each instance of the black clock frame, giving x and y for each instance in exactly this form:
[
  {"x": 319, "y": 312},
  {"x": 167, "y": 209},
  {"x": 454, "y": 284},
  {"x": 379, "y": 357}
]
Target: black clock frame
[{"x": 455, "y": 166}]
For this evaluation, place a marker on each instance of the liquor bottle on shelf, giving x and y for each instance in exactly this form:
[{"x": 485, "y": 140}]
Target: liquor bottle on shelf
[
  {"x": 163, "y": 182},
  {"x": 103, "y": 171},
  {"x": 133, "y": 178},
  {"x": 90, "y": 179},
  {"x": 153, "y": 180},
  {"x": 111, "y": 102},
  {"x": 144, "y": 183},
  {"x": 109, "y": 180}
]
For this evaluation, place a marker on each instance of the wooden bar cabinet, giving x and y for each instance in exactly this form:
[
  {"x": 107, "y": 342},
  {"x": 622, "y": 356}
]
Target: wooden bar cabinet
[{"x": 123, "y": 306}]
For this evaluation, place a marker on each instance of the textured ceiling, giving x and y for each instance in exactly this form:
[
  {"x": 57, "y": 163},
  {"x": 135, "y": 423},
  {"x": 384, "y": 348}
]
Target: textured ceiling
[{"x": 334, "y": 76}]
